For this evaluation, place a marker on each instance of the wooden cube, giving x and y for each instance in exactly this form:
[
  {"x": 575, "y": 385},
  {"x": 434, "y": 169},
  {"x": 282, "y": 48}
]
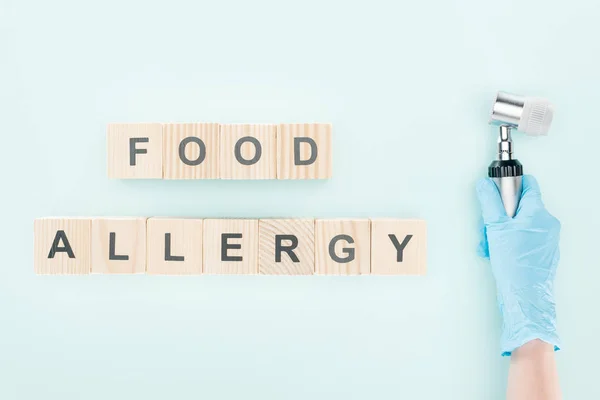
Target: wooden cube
[
  {"x": 342, "y": 247},
  {"x": 119, "y": 245},
  {"x": 174, "y": 246},
  {"x": 286, "y": 246},
  {"x": 398, "y": 247},
  {"x": 62, "y": 245},
  {"x": 230, "y": 246},
  {"x": 304, "y": 151},
  {"x": 191, "y": 151},
  {"x": 248, "y": 151},
  {"x": 135, "y": 151}
]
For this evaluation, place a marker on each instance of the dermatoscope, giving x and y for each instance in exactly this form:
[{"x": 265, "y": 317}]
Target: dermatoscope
[{"x": 529, "y": 115}]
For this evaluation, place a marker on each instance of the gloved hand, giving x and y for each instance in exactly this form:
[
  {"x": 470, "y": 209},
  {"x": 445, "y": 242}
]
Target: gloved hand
[{"x": 524, "y": 255}]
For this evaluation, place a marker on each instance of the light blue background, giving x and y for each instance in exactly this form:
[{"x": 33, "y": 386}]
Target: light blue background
[{"x": 407, "y": 86}]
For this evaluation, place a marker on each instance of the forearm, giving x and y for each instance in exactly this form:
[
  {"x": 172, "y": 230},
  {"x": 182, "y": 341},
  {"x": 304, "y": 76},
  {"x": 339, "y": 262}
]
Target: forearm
[{"x": 533, "y": 374}]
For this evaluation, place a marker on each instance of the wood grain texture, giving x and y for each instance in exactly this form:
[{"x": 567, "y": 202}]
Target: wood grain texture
[
  {"x": 357, "y": 253},
  {"x": 287, "y": 168},
  {"x": 148, "y": 165},
  {"x": 384, "y": 253},
  {"x": 130, "y": 241},
  {"x": 208, "y": 166},
  {"x": 77, "y": 232},
  {"x": 212, "y": 237},
  {"x": 264, "y": 168},
  {"x": 303, "y": 230},
  {"x": 185, "y": 241}
]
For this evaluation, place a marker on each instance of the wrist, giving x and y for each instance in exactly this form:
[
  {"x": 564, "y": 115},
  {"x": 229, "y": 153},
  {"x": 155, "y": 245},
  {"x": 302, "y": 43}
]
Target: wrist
[
  {"x": 533, "y": 347},
  {"x": 526, "y": 317}
]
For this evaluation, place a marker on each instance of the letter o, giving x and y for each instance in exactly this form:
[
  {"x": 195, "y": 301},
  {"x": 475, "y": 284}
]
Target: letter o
[
  {"x": 201, "y": 147},
  {"x": 238, "y": 150}
]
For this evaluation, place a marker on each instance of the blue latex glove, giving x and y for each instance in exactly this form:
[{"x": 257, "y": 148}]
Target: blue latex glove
[{"x": 524, "y": 255}]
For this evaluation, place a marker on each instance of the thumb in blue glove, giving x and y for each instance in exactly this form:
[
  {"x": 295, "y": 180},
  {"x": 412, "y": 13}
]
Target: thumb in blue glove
[{"x": 524, "y": 254}]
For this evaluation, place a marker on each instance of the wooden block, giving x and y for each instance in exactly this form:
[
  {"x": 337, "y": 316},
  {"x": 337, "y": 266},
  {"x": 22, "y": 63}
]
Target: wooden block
[
  {"x": 62, "y": 245},
  {"x": 191, "y": 151},
  {"x": 287, "y": 246},
  {"x": 174, "y": 246},
  {"x": 342, "y": 247},
  {"x": 135, "y": 151},
  {"x": 304, "y": 151},
  {"x": 398, "y": 247},
  {"x": 119, "y": 245},
  {"x": 248, "y": 151},
  {"x": 230, "y": 246}
]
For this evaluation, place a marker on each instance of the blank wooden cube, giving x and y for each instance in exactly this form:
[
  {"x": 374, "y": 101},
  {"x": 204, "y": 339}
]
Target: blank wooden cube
[
  {"x": 398, "y": 247},
  {"x": 304, "y": 151},
  {"x": 286, "y": 247},
  {"x": 135, "y": 151},
  {"x": 342, "y": 247},
  {"x": 62, "y": 245},
  {"x": 119, "y": 245},
  {"x": 248, "y": 151},
  {"x": 191, "y": 151},
  {"x": 174, "y": 246},
  {"x": 230, "y": 246}
]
